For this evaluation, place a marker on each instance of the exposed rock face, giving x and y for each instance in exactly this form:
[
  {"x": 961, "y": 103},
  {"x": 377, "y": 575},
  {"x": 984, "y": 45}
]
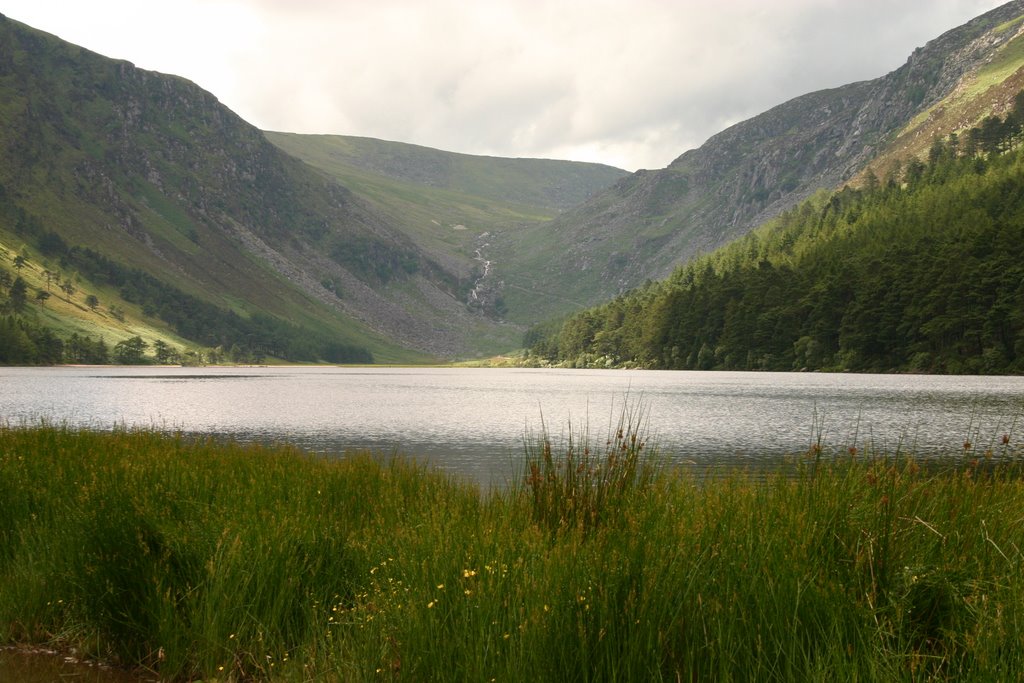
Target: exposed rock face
[{"x": 650, "y": 222}]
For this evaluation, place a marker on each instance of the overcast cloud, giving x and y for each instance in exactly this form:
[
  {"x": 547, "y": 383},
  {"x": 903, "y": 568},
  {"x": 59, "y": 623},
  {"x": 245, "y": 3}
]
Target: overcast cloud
[{"x": 632, "y": 83}]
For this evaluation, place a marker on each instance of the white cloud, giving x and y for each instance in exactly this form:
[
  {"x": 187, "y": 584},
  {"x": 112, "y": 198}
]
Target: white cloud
[{"x": 632, "y": 83}]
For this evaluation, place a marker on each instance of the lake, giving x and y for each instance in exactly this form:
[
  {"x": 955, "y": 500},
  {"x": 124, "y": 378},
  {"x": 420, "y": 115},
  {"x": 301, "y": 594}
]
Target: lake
[{"x": 473, "y": 421}]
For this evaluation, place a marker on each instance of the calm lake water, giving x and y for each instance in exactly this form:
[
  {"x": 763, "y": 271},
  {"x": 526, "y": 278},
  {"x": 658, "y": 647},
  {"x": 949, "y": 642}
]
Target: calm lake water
[{"x": 473, "y": 421}]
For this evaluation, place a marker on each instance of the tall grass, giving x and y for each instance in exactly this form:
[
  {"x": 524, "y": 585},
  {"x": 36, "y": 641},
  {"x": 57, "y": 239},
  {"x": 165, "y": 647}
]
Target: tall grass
[
  {"x": 581, "y": 484},
  {"x": 217, "y": 561}
]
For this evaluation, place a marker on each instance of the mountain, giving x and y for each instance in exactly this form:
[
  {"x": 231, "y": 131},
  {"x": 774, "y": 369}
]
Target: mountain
[
  {"x": 652, "y": 221},
  {"x": 453, "y": 206},
  {"x": 192, "y": 228},
  {"x": 920, "y": 273},
  {"x": 172, "y": 219},
  {"x": 535, "y": 183},
  {"x": 153, "y": 173}
]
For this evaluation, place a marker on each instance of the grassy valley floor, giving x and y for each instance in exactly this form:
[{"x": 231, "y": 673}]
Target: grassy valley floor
[{"x": 218, "y": 561}]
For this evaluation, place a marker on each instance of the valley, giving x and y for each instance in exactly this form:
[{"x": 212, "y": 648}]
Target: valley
[
  {"x": 475, "y": 418},
  {"x": 191, "y": 228}
]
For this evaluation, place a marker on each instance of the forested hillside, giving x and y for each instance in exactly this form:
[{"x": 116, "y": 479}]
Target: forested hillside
[{"x": 921, "y": 271}]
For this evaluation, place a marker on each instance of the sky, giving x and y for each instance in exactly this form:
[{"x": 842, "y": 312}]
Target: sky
[{"x": 630, "y": 83}]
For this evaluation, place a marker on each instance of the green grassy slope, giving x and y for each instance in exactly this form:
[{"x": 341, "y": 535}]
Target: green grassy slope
[
  {"x": 461, "y": 208},
  {"x": 112, "y": 319},
  {"x": 987, "y": 90},
  {"x": 445, "y": 219},
  {"x": 154, "y": 174},
  {"x": 533, "y": 183}
]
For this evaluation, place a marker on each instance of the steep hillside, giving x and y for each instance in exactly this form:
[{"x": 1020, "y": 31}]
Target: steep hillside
[
  {"x": 454, "y": 206},
  {"x": 922, "y": 273},
  {"x": 650, "y": 222},
  {"x": 987, "y": 89},
  {"x": 107, "y": 164}
]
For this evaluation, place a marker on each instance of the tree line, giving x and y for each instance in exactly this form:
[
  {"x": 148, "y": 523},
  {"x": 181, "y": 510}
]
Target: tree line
[
  {"x": 922, "y": 271},
  {"x": 27, "y": 342}
]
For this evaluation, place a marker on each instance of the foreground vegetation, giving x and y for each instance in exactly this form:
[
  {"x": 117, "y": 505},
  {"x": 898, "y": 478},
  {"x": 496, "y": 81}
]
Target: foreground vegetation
[{"x": 220, "y": 561}]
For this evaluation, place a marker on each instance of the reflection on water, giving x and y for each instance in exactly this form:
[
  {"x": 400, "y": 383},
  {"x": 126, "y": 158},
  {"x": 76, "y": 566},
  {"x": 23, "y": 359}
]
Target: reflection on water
[
  {"x": 473, "y": 421},
  {"x": 23, "y": 665}
]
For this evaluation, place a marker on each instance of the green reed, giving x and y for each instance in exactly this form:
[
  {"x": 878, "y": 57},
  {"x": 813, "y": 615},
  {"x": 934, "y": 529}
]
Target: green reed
[
  {"x": 204, "y": 560},
  {"x": 580, "y": 484}
]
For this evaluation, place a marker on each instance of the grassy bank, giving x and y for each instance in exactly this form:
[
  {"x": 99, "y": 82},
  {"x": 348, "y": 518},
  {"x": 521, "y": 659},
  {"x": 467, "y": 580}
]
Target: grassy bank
[{"x": 229, "y": 562}]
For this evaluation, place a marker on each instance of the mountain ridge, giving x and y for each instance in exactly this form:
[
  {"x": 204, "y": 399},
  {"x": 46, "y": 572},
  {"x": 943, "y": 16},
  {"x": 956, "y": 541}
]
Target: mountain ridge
[
  {"x": 920, "y": 273},
  {"x": 548, "y": 183},
  {"x": 650, "y": 222},
  {"x": 411, "y": 251},
  {"x": 154, "y": 171}
]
